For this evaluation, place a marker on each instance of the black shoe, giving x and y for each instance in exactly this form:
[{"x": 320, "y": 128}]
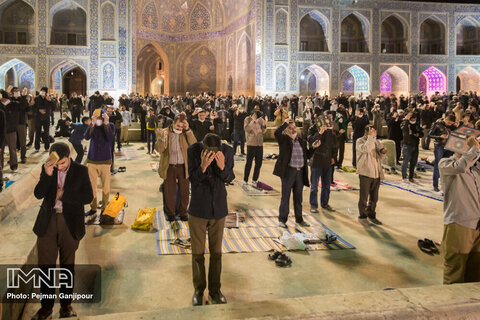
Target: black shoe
[
  {"x": 197, "y": 299},
  {"x": 432, "y": 246},
  {"x": 90, "y": 213},
  {"x": 29, "y": 144},
  {"x": 217, "y": 298},
  {"x": 436, "y": 189},
  {"x": 67, "y": 312},
  {"x": 425, "y": 247},
  {"x": 303, "y": 224},
  {"x": 171, "y": 219},
  {"x": 43, "y": 314},
  {"x": 375, "y": 221},
  {"x": 328, "y": 208},
  {"x": 24, "y": 160},
  {"x": 184, "y": 218}
]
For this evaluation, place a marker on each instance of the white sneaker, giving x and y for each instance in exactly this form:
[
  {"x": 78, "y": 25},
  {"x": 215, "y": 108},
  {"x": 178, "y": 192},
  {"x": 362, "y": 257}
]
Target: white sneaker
[
  {"x": 245, "y": 183},
  {"x": 253, "y": 183}
]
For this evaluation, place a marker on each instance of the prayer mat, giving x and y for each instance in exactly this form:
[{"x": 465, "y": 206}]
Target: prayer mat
[
  {"x": 8, "y": 183},
  {"x": 238, "y": 158},
  {"x": 126, "y": 154},
  {"x": 423, "y": 166},
  {"x": 95, "y": 219},
  {"x": 257, "y": 231},
  {"x": 253, "y": 191},
  {"x": 340, "y": 186},
  {"x": 418, "y": 188}
]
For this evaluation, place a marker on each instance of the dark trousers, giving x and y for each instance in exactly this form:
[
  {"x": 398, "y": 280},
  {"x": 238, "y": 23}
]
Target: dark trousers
[
  {"x": 368, "y": 197},
  {"x": 410, "y": 158},
  {"x": 11, "y": 141},
  {"x": 176, "y": 177},
  {"x": 118, "y": 133},
  {"x": 354, "y": 149},
  {"x": 253, "y": 152},
  {"x": 22, "y": 139},
  {"x": 80, "y": 152},
  {"x": 341, "y": 150},
  {"x": 42, "y": 131},
  {"x": 143, "y": 131},
  {"x": 151, "y": 138},
  {"x": 31, "y": 130},
  {"x": 426, "y": 139},
  {"x": 198, "y": 233},
  {"x": 76, "y": 115},
  {"x": 239, "y": 139},
  {"x": 57, "y": 239},
  {"x": 326, "y": 175},
  {"x": 398, "y": 149},
  {"x": 112, "y": 166},
  {"x": 292, "y": 181}
]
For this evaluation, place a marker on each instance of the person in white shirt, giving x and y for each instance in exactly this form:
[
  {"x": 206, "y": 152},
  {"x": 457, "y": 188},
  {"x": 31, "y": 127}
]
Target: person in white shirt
[{"x": 126, "y": 122}]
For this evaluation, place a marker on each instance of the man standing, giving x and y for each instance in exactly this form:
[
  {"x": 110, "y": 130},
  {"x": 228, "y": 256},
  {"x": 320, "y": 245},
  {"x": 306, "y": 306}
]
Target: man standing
[
  {"x": 201, "y": 126},
  {"x": 291, "y": 167},
  {"x": 172, "y": 144},
  {"x": 3, "y": 130},
  {"x": 12, "y": 114},
  {"x": 411, "y": 137},
  {"x": 427, "y": 118},
  {"x": 76, "y": 107},
  {"x": 370, "y": 172},
  {"x": 152, "y": 125},
  {"x": 65, "y": 188},
  {"x": 126, "y": 122},
  {"x": 359, "y": 122},
  {"x": 43, "y": 107},
  {"x": 238, "y": 130},
  {"x": 99, "y": 159},
  {"x": 323, "y": 142},
  {"x": 210, "y": 167},
  {"x": 23, "y": 108},
  {"x": 461, "y": 233},
  {"x": 255, "y": 127}
]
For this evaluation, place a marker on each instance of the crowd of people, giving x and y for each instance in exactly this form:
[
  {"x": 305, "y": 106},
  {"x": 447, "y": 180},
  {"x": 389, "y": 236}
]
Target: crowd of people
[{"x": 188, "y": 133}]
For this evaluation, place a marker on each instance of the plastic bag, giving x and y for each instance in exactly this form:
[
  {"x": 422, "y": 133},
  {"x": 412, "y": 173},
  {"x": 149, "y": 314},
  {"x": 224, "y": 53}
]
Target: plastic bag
[
  {"x": 144, "y": 220},
  {"x": 293, "y": 241}
]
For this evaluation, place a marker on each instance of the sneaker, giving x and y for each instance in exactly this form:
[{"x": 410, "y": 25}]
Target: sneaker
[
  {"x": 90, "y": 212},
  {"x": 436, "y": 189},
  {"x": 375, "y": 221},
  {"x": 245, "y": 183},
  {"x": 313, "y": 210},
  {"x": 282, "y": 224},
  {"x": 303, "y": 224},
  {"x": 329, "y": 208},
  {"x": 36, "y": 151},
  {"x": 148, "y": 152},
  {"x": 364, "y": 222},
  {"x": 411, "y": 180},
  {"x": 14, "y": 170},
  {"x": 253, "y": 183}
]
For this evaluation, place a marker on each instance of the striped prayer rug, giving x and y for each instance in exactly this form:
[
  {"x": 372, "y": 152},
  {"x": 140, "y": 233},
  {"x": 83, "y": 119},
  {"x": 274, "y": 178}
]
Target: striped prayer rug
[{"x": 259, "y": 232}]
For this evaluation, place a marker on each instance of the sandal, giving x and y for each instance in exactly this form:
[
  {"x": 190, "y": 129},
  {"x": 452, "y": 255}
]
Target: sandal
[
  {"x": 283, "y": 261},
  {"x": 432, "y": 246},
  {"x": 275, "y": 255},
  {"x": 425, "y": 247}
]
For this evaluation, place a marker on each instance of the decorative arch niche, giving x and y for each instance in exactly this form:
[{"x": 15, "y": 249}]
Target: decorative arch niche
[
  {"x": 355, "y": 33},
  {"x": 68, "y": 24},
  {"x": 200, "y": 18},
  {"x": 395, "y": 33},
  {"x": 432, "y": 80},
  {"x": 200, "y": 71},
  {"x": 152, "y": 62},
  {"x": 468, "y": 36},
  {"x": 394, "y": 81},
  {"x": 245, "y": 74},
  {"x": 432, "y": 36},
  {"x": 313, "y": 32},
  {"x": 108, "y": 21},
  {"x": 17, "y": 73},
  {"x": 468, "y": 80},
  {"x": 355, "y": 81},
  {"x": 314, "y": 79},
  {"x": 17, "y": 23},
  {"x": 150, "y": 16}
]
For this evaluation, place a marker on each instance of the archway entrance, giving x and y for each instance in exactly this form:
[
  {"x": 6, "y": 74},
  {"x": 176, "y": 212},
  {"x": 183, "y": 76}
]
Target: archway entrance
[
  {"x": 74, "y": 80},
  {"x": 468, "y": 80},
  {"x": 395, "y": 81},
  {"x": 157, "y": 86},
  {"x": 18, "y": 74},
  {"x": 314, "y": 79},
  {"x": 356, "y": 81},
  {"x": 431, "y": 81}
]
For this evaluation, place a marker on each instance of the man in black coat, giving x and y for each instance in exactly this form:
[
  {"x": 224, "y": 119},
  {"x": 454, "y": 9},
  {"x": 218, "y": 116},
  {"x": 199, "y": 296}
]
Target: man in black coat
[
  {"x": 359, "y": 122},
  {"x": 12, "y": 115},
  {"x": 412, "y": 133},
  {"x": 291, "y": 167},
  {"x": 201, "y": 126},
  {"x": 394, "y": 121},
  {"x": 42, "y": 109},
  {"x": 3, "y": 131},
  {"x": 210, "y": 167},
  {"x": 76, "y": 107},
  {"x": 65, "y": 188}
]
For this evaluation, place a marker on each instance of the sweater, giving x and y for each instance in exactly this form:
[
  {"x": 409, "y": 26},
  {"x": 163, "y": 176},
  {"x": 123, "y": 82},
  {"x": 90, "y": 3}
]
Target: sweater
[{"x": 102, "y": 138}]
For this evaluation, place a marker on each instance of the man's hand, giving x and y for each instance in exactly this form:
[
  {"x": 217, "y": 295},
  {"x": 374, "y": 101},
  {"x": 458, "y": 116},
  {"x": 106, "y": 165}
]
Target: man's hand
[
  {"x": 220, "y": 158},
  {"x": 212, "y": 128},
  {"x": 408, "y": 116},
  {"x": 59, "y": 193},
  {"x": 49, "y": 165},
  {"x": 350, "y": 111},
  {"x": 186, "y": 126},
  {"x": 105, "y": 118},
  {"x": 42, "y": 111},
  {"x": 383, "y": 150},
  {"x": 342, "y": 131},
  {"x": 424, "y": 126},
  {"x": 207, "y": 158},
  {"x": 49, "y": 98},
  {"x": 254, "y": 116},
  {"x": 372, "y": 132},
  {"x": 444, "y": 136},
  {"x": 333, "y": 161},
  {"x": 316, "y": 144},
  {"x": 323, "y": 129},
  {"x": 472, "y": 142},
  {"x": 287, "y": 121}
]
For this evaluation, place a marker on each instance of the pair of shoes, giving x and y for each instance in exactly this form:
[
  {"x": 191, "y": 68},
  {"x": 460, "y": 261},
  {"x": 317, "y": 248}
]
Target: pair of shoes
[
  {"x": 364, "y": 222},
  {"x": 329, "y": 208},
  {"x": 436, "y": 189},
  {"x": 303, "y": 224},
  {"x": 43, "y": 314},
  {"x": 411, "y": 180},
  {"x": 122, "y": 169},
  {"x": 282, "y": 224},
  {"x": 280, "y": 258},
  {"x": 253, "y": 183},
  {"x": 375, "y": 221},
  {"x": 171, "y": 219},
  {"x": 148, "y": 152},
  {"x": 313, "y": 210},
  {"x": 90, "y": 213},
  {"x": 197, "y": 299},
  {"x": 67, "y": 312},
  {"x": 184, "y": 218},
  {"x": 428, "y": 246},
  {"x": 217, "y": 298},
  {"x": 115, "y": 171}
]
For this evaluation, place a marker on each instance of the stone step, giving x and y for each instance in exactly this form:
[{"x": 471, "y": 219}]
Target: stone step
[{"x": 460, "y": 301}]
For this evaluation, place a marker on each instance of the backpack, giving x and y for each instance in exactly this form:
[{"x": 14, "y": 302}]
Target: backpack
[{"x": 115, "y": 205}]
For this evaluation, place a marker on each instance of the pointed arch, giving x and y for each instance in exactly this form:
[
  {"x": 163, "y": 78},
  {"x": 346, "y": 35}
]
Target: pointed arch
[
  {"x": 244, "y": 72},
  {"x": 58, "y": 72},
  {"x": 320, "y": 83},
  {"x": 200, "y": 71},
  {"x": 432, "y": 36},
  {"x": 469, "y": 80},
  {"x": 17, "y": 23},
  {"x": 468, "y": 36},
  {"x": 108, "y": 19},
  {"x": 431, "y": 81},
  {"x": 394, "y": 34},
  {"x": 108, "y": 75},
  {"x": 17, "y": 66},
  {"x": 355, "y": 80},
  {"x": 314, "y": 31},
  {"x": 150, "y": 16},
  {"x": 394, "y": 80},
  {"x": 355, "y": 33},
  {"x": 152, "y": 54},
  {"x": 281, "y": 78},
  {"x": 200, "y": 18},
  {"x": 68, "y": 24},
  {"x": 281, "y": 26}
]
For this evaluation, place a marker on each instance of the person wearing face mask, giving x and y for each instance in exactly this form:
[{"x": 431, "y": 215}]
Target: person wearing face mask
[
  {"x": 201, "y": 126},
  {"x": 291, "y": 167},
  {"x": 172, "y": 144},
  {"x": 411, "y": 138},
  {"x": 99, "y": 159},
  {"x": 65, "y": 188},
  {"x": 63, "y": 126},
  {"x": 12, "y": 114},
  {"x": 76, "y": 107},
  {"x": 255, "y": 127},
  {"x": 43, "y": 107},
  {"x": 460, "y": 176}
]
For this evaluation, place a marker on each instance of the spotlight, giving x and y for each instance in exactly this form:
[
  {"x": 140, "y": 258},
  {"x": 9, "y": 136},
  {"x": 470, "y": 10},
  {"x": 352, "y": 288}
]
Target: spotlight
[{"x": 302, "y": 77}]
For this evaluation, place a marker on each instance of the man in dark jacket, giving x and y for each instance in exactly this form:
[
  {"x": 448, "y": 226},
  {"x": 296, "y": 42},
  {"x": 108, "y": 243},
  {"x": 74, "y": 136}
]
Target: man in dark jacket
[
  {"x": 65, "y": 188},
  {"x": 323, "y": 143},
  {"x": 238, "y": 130},
  {"x": 201, "y": 126},
  {"x": 394, "y": 120},
  {"x": 291, "y": 167},
  {"x": 427, "y": 117},
  {"x": 3, "y": 130},
  {"x": 411, "y": 137},
  {"x": 359, "y": 122},
  {"x": 210, "y": 167},
  {"x": 78, "y": 134},
  {"x": 96, "y": 102},
  {"x": 76, "y": 107},
  {"x": 43, "y": 107},
  {"x": 23, "y": 108},
  {"x": 12, "y": 114}
]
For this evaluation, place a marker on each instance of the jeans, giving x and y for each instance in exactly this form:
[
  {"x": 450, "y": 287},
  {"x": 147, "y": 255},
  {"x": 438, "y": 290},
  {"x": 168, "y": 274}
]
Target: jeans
[
  {"x": 239, "y": 138},
  {"x": 151, "y": 138},
  {"x": 341, "y": 150},
  {"x": 410, "y": 156},
  {"x": 326, "y": 175},
  {"x": 426, "y": 139},
  {"x": 354, "y": 150},
  {"x": 292, "y": 180},
  {"x": 439, "y": 152},
  {"x": 253, "y": 152}
]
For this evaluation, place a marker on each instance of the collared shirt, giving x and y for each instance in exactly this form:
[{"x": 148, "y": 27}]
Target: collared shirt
[
  {"x": 176, "y": 156},
  {"x": 296, "y": 161},
  {"x": 61, "y": 175}
]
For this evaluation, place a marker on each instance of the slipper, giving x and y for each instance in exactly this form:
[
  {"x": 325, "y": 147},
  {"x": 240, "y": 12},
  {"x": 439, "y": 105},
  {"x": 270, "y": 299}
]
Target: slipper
[
  {"x": 424, "y": 247},
  {"x": 275, "y": 255},
  {"x": 283, "y": 261},
  {"x": 330, "y": 239},
  {"x": 432, "y": 245}
]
